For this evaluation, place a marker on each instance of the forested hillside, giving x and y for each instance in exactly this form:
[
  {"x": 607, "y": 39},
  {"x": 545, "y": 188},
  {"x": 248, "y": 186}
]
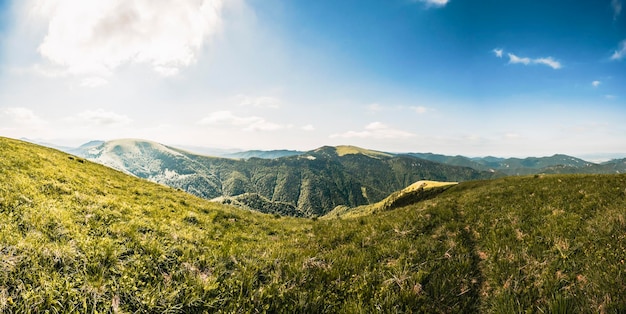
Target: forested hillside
[{"x": 306, "y": 185}]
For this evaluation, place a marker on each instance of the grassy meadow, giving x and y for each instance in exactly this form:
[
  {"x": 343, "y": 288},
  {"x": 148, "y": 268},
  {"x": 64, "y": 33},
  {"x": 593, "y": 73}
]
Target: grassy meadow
[{"x": 79, "y": 237}]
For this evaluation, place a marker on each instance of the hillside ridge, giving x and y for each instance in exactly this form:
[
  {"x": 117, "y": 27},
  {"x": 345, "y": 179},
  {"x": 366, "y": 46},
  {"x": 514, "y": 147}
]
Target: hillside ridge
[{"x": 417, "y": 192}]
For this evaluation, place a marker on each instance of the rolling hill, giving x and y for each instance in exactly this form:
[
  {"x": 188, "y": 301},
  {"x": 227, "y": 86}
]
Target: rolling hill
[
  {"x": 80, "y": 237},
  {"x": 308, "y": 184}
]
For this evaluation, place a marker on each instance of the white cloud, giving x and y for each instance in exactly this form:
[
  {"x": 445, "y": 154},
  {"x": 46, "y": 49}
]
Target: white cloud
[
  {"x": 610, "y": 97},
  {"x": 617, "y": 8},
  {"x": 93, "y": 82},
  {"x": 375, "y": 130},
  {"x": 308, "y": 127},
  {"x": 515, "y": 59},
  {"x": 549, "y": 61},
  {"x": 250, "y": 123},
  {"x": 93, "y": 38},
  {"x": 435, "y": 3},
  {"x": 498, "y": 52},
  {"x": 166, "y": 71},
  {"x": 259, "y": 102},
  {"x": 24, "y": 116},
  {"x": 596, "y": 83},
  {"x": 102, "y": 118},
  {"x": 620, "y": 52}
]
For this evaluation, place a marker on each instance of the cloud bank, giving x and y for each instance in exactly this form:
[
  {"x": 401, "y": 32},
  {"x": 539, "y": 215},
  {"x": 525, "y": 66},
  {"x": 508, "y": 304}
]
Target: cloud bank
[{"x": 93, "y": 38}]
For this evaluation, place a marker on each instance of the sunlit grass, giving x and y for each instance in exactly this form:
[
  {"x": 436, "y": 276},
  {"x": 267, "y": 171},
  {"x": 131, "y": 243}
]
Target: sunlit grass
[
  {"x": 416, "y": 192},
  {"x": 79, "y": 237},
  {"x": 348, "y": 150}
]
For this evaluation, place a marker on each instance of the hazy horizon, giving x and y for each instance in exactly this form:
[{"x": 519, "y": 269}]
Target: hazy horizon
[
  {"x": 223, "y": 151},
  {"x": 473, "y": 78}
]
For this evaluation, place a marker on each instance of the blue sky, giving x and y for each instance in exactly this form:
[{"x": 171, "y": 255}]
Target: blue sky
[{"x": 492, "y": 77}]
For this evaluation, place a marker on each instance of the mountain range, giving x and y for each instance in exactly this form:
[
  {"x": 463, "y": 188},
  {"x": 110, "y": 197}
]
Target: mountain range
[
  {"x": 311, "y": 183},
  {"x": 558, "y": 163},
  {"x": 307, "y": 184}
]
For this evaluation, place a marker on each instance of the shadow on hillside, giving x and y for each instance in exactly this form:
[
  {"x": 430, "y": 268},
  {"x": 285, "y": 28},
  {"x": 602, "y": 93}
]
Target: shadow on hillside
[{"x": 402, "y": 198}]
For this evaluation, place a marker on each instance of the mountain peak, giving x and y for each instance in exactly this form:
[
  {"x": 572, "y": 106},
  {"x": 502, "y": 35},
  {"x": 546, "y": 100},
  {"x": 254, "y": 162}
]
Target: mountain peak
[{"x": 353, "y": 150}]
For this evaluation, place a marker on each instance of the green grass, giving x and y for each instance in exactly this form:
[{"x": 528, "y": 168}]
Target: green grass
[
  {"x": 549, "y": 243},
  {"x": 414, "y": 193},
  {"x": 79, "y": 237}
]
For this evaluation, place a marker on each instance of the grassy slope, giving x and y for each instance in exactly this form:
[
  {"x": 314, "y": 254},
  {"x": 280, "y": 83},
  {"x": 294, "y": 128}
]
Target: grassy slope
[
  {"x": 549, "y": 243},
  {"x": 348, "y": 150},
  {"x": 76, "y": 236},
  {"x": 416, "y": 192}
]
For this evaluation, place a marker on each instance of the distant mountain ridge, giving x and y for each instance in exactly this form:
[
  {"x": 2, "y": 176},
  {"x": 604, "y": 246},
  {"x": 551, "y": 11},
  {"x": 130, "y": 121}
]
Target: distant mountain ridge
[
  {"x": 558, "y": 163},
  {"x": 554, "y": 164},
  {"x": 315, "y": 182},
  {"x": 308, "y": 184}
]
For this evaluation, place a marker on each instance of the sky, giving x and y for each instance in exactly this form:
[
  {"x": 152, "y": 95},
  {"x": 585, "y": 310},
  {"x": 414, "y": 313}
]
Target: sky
[{"x": 470, "y": 77}]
